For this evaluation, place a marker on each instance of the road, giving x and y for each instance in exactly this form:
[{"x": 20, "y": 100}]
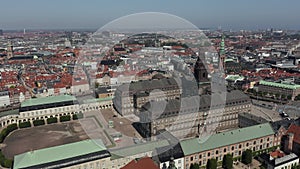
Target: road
[{"x": 270, "y": 115}]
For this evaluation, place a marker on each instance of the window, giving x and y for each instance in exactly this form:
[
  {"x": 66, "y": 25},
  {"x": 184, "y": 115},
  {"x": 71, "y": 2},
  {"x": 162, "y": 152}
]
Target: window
[
  {"x": 217, "y": 151},
  {"x": 232, "y": 148},
  {"x": 192, "y": 158},
  {"x": 224, "y": 150},
  {"x": 208, "y": 154}
]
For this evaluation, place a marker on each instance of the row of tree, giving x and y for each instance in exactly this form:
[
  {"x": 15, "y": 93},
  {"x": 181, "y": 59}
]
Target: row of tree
[
  {"x": 50, "y": 120},
  {"x": 5, "y": 132},
  {"x": 227, "y": 162},
  {"x": 7, "y": 163}
]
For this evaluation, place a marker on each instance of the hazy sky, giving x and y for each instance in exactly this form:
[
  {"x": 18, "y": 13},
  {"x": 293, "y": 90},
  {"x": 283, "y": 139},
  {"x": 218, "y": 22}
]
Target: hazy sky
[{"x": 230, "y": 14}]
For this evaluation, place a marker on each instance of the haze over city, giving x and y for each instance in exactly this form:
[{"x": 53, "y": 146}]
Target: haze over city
[
  {"x": 92, "y": 14},
  {"x": 155, "y": 84}
]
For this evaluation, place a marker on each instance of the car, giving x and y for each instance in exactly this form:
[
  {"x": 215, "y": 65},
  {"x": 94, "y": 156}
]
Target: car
[{"x": 283, "y": 114}]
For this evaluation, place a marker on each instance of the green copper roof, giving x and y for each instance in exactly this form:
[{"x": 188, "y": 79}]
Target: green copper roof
[
  {"x": 234, "y": 77},
  {"x": 222, "y": 46},
  {"x": 57, "y": 153},
  {"x": 9, "y": 113},
  {"x": 48, "y": 100},
  {"x": 195, "y": 145},
  {"x": 281, "y": 85},
  {"x": 137, "y": 149}
]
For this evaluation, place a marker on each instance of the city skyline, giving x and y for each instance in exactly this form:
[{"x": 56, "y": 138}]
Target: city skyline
[{"x": 236, "y": 15}]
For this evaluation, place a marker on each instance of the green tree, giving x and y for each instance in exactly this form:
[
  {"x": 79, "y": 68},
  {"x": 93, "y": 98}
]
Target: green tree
[
  {"x": 97, "y": 84},
  {"x": 77, "y": 116},
  {"x": 7, "y": 163},
  {"x": 65, "y": 118},
  {"x": 25, "y": 124},
  {"x": 5, "y": 132},
  {"x": 212, "y": 164},
  {"x": 38, "y": 122},
  {"x": 227, "y": 162},
  {"x": 195, "y": 166},
  {"x": 247, "y": 157},
  {"x": 51, "y": 120},
  {"x": 12, "y": 127}
]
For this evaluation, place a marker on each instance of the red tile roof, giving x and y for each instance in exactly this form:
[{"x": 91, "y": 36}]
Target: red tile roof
[
  {"x": 144, "y": 163},
  {"x": 296, "y": 131}
]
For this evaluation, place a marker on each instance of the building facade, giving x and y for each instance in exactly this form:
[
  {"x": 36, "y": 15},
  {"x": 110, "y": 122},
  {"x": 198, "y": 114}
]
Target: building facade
[
  {"x": 189, "y": 116},
  {"x": 234, "y": 142},
  {"x": 78, "y": 155},
  {"x": 273, "y": 88},
  {"x": 4, "y": 99},
  {"x": 129, "y": 97}
]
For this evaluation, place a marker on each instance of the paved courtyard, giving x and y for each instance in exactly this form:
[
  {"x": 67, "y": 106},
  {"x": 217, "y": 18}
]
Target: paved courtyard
[{"x": 34, "y": 138}]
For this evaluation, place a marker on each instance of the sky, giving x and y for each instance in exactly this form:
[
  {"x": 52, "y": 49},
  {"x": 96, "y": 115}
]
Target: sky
[{"x": 229, "y": 14}]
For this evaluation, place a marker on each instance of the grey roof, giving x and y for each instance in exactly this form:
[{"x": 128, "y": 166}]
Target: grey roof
[
  {"x": 164, "y": 154},
  {"x": 283, "y": 123},
  {"x": 193, "y": 104},
  {"x": 147, "y": 85},
  {"x": 284, "y": 159}
]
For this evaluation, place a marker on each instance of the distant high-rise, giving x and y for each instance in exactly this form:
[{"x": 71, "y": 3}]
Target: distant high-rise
[
  {"x": 222, "y": 53},
  {"x": 1, "y": 32},
  {"x": 10, "y": 50}
]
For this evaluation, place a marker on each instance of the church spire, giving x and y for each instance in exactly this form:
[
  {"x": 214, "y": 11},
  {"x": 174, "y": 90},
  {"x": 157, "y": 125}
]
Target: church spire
[
  {"x": 222, "y": 52},
  {"x": 222, "y": 46}
]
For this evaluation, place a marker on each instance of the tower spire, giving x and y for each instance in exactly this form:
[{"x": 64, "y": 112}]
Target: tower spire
[
  {"x": 222, "y": 46},
  {"x": 222, "y": 52}
]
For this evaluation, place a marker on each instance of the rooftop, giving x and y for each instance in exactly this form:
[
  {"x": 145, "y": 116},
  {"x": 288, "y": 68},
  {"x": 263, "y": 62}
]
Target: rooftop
[
  {"x": 281, "y": 85},
  {"x": 195, "y": 145},
  {"x": 138, "y": 148},
  {"x": 9, "y": 112},
  {"x": 47, "y": 100},
  {"x": 141, "y": 164},
  {"x": 38, "y": 157}
]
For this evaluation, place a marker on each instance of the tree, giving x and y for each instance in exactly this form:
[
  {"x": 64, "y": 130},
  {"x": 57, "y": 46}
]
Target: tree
[
  {"x": 51, "y": 120},
  {"x": 25, "y": 124},
  {"x": 65, "y": 118},
  {"x": 97, "y": 84},
  {"x": 5, "y": 132},
  {"x": 227, "y": 162},
  {"x": 7, "y": 163},
  {"x": 212, "y": 164},
  {"x": 12, "y": 127},
  {"x": 38, "y": 122},
  {"x": 195, "y": 166},
  {"x": 247, "y": 157},
  {"x": 77, "y": 116}
]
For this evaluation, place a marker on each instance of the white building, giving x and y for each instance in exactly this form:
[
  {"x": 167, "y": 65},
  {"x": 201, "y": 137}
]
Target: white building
[
  {"x": 4, "y": 99},
  {"x": 286, "y": 162}
]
